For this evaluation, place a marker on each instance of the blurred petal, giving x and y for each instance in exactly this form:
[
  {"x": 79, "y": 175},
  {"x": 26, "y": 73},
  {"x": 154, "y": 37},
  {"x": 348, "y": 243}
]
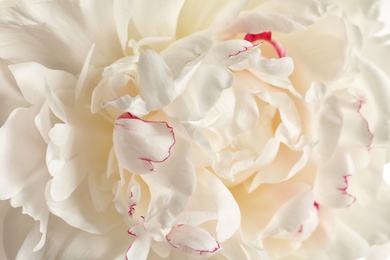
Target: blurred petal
[
  {"x": 256, "y": 22},
  {"x": 24, "y": 183},
  {"x": 149, "y": 15}
]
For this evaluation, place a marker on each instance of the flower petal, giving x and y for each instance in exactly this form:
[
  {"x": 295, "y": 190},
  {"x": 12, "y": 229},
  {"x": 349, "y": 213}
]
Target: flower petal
[
  {"x": 203, "y": 92},
  {"x": 122, "y": 15},
  {"x": 171, "y": 187},
  {"x": 157, "y": 12},
  {"x": 24, "y": 183},
  {"x": 331, "y": 183},
  {"x": 139, "y": 249},
  {"x": 156, "y": 80},
  {"x": 192, "y": 240},
  {"x": 139, "y": 143},
  {"x": 255, "y": 22}
]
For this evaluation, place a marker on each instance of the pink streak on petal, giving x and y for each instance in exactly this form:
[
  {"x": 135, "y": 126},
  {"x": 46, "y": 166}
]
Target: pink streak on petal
[
  {"x": 244, "y": 50},
  {"x": 172, "y": 244},
  {"x": 128, "y": 250},
  {"x": 300, "y": 229},
  {"x": 267, "y": 36},
  {"x": 150, "y": 161},
  {"x": 361, "y": 102},
  {"x": 210, "y": 251},
  {"x": 132, "y": 209},
  {"x": 200, "y": 251},
  {"x": 131, "y": 233},
  {"x": 344, "y": 189},
  {"x": 316, "y": 205}
]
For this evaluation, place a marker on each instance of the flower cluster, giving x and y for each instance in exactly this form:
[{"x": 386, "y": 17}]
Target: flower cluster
[{"x": 181, "y": 129}]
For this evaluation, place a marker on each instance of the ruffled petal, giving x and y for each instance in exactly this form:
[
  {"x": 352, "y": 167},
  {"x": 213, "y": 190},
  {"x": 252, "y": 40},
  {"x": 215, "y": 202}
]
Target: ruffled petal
[
  {"x": 24, "y": 183},
  {"x": 23, "y": 41},
  {"x": 139, "y": 144},
  {"x": 331, "y": 183},
  {"x": 192, "y": 240},
  {"x": 122, "y": 15},
  {"x": 170, "y": 186},
  {"x": 203, "y": 92},
  {"x": 157, "y": 87},
  {"x": 139, "y": 249}
]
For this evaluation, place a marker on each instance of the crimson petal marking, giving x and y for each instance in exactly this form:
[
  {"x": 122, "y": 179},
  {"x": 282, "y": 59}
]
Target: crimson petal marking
[
  {"x": 267, "y": 36},
  {"x": 139, "y": 143},
  {"x": 361, "y": 102},
  {"x": 344, "y": 189},
  {"x": 192, "y": 240}
]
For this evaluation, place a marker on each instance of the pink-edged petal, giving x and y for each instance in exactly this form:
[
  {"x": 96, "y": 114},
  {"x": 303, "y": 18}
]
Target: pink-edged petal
[
  {"x": 127, "y": 197},
  {"x": 291, "y": 215},
  {"x": 157, "y": 87},
  {"x": 256, "y": 22},
  {"x": 231, "y": 51},
  {"x": 356, "y": 128},
  {"x": 192, "y": 240},
  {"x": 171, "y": 187},
  {"x": 139, "y": 144},
  {"x": 331, "y": 183}
]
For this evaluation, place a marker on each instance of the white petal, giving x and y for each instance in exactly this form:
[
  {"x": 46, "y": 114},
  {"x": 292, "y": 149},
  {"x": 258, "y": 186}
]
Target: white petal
[
  {"x": 139, "y": 249},
  {"x": 327, "y": 127},
  {"x": 187, "y": 50},
  {"x": 122, "y": 15},
  {"x": 139, "y": 144},
  {"x": 348, "y": 244},
  {"x": 256, "y": 22},
  {"x": 10, "y": 95},
  {"x": 79, "y": 211},
  {"x": 227, "y": 208},
  {"x": 192, "y": 240},
  {"x": 171, "y": 187},
  {"x": 232, "y": 51},
  {"x": 148, "y": 16},
  {"x": 24, "y": 182},
  {"x": 312, "y": 48},
  {"x": 8, "y": 3},
  {"x": 291, "y": 214},
  {"x": 156, "y": 80},
  {"x": 285, "y": 165},
  {"x": 202, "y": 93},
  {"x": 331, "y": 183},
  {"x": 35, "y": 34}
]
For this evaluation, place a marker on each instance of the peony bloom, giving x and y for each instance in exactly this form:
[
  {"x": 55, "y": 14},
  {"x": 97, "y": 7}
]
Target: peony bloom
[{"x": 148, "y": 129}]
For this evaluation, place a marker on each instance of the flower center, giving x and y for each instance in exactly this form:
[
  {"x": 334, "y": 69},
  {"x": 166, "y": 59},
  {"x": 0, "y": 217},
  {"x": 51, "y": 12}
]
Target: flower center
[{"x": 267, "y": 36}]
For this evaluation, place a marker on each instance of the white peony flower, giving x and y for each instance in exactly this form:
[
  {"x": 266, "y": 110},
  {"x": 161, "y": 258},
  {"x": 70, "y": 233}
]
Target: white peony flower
[{"x": 146, "y": 129}]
